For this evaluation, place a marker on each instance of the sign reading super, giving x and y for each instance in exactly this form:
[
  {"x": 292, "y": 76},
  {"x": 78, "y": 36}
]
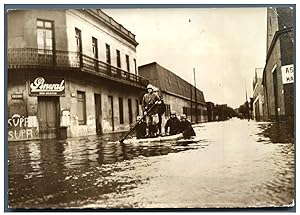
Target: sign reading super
[{"x": 287, "y": 74}]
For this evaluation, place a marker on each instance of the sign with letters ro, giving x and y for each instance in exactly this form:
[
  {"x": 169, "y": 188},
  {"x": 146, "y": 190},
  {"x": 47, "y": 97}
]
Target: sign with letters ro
[
  {"x": 287, "y": 74},
  {"x": 50, "y": 86}
]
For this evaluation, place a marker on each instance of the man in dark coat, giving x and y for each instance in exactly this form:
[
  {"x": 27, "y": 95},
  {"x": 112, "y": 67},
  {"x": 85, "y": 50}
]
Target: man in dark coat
[
  {"x": 186, "y": 128},
  {"x": 172, "y": 125},
  {"x": 140, "y": 128},
  {"x": 150, "y": 99}
]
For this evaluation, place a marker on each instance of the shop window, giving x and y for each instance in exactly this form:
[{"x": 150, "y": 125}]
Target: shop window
[
  {"x": 81, "y": 108},
  {"x": 45, "y": 36},
  {"x": 121, "y": 111}
]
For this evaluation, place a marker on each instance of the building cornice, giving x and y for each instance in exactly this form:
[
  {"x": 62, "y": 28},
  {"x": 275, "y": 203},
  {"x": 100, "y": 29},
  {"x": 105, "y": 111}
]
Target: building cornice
[{"x": 112, "y": 24}]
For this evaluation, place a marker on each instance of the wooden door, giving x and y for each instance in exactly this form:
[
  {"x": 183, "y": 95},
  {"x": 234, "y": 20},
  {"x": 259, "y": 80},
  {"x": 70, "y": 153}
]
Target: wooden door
[
  {"x": 98, "y": 113},
  {"x": 111, "y": 112},
  {"x": 48, "y": 117}
]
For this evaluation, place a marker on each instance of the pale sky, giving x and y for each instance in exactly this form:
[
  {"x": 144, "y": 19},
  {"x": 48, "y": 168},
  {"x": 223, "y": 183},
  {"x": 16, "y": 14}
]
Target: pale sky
[{"x": 224, "y": 45}]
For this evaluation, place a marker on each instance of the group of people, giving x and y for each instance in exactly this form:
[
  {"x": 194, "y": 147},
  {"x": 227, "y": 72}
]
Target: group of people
[{"x": 153, "y": 108}]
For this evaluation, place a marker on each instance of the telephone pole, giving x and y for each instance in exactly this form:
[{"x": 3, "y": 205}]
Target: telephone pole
[{"x": 196, "y": 111}]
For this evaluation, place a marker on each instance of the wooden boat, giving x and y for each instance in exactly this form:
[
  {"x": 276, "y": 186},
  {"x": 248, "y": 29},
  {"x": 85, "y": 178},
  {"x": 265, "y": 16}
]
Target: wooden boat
[
  {"x": 155, "y": 139},
  {"x": 178, "y": 138}
]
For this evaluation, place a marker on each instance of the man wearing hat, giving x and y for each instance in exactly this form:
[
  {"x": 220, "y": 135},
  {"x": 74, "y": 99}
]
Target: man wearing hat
[
  {"x": 150, "y": 99},
  {"x": 185, "y": 127},
  {"x": 172, "y": 125}
]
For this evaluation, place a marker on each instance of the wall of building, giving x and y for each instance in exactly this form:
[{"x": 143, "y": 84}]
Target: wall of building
[
  {"x": 104, "y": 35},
  {"x": 281, "y": 54},
  {"x": 274, "y": 62},
  {"x": 22, "y": 110},
  {"x": 272, "y": 26},
  {"x": 177, "y": 104},
  {"x": 22, "y": 28},
  {"x": 23, "y": 117},
  {"x": 258, "y": 100},
  {"x": 105, "y": 90}
]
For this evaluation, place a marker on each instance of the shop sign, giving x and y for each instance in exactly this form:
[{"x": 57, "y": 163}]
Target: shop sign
[
  {"x": 287, "y": 74},
  {"x": 17, "y": 96},
  {"x": 51, "y": 86}
]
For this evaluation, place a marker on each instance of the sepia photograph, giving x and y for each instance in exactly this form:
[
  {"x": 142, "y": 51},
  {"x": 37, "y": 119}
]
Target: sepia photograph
[{"x": 149, "y": 107}]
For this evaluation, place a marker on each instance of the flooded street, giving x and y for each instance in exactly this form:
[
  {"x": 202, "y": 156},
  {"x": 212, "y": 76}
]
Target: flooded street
[{"x": 236, "y": 164}]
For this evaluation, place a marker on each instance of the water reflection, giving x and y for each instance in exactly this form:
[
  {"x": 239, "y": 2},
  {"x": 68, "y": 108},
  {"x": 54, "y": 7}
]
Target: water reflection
[
  {"x": 279, "y": 132},
  {"x": 228, "y": 167},
  {"x": 54, "y": 173}
]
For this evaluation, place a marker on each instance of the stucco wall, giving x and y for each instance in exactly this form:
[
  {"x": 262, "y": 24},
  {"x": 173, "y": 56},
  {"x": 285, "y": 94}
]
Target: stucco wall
[
  {"x": 104, "y": 35},
  {"x": 22, "y": 28}
]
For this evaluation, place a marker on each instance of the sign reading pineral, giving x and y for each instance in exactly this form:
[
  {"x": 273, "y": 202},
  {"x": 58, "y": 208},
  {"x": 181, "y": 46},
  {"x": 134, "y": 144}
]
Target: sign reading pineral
[
  {"x": 287, "y": 74},
  {"x": 51, "y": 86}
]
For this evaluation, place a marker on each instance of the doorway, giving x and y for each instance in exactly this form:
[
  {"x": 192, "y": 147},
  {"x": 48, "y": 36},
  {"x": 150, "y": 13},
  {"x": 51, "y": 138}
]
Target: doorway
[
  {"x": 48, "y": 110},
  {"x": 98, "y": 113},
  {"x": 111, "y": 112}
]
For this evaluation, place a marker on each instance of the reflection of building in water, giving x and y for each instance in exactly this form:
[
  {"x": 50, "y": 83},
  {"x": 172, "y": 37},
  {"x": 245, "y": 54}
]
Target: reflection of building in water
[
  {"x": 35, "y": 157},
  {"x": 109, "y": 152},
  {"x": 76, "y": 153},
  {"x": 70, "y": 68}
]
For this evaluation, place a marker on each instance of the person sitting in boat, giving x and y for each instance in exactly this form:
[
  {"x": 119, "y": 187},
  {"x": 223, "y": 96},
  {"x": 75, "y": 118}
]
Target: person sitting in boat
[
  {"x": 140, "y": 128},
  {"x": 161, "y": 109},
  {"x": 186, "y": 128},
  {"x": 150, "y": 99},
  {"x": 172, "y": 125}
]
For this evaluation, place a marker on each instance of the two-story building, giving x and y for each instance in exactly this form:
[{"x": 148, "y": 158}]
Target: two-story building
[{"x": 70, "y": 68}]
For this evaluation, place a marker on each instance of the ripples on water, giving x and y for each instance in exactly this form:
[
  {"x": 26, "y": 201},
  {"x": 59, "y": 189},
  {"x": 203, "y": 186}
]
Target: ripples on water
[
  {"x": 51, "y": 173},
  {"x": 234, "y": 169}
]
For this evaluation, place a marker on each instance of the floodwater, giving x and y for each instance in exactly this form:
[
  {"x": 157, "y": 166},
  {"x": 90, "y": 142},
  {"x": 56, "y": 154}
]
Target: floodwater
[{"x": 236, "y": 164}]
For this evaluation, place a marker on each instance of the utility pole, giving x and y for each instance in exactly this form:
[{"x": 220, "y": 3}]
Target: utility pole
[
  {"x": 196, "y": 111},
  {"x": 247, "y": 104}
]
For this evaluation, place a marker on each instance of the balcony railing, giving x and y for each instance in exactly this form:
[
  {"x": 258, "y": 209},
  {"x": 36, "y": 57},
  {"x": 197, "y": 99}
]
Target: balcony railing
[{"x": 40, "y": 58}]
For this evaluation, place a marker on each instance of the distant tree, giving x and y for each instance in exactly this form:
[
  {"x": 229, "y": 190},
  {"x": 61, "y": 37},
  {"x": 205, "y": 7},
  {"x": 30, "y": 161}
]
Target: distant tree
[{"x": 244, "y": 110}]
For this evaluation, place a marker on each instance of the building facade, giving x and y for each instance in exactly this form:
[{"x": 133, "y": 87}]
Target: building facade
[
  {"x": 211, "y": 115},
  {"x": 178, "y": 94},
  {"x": 71, "y": 70},
  {"x": 258, "y": 96},
  {"x": 278, "y": 74}
]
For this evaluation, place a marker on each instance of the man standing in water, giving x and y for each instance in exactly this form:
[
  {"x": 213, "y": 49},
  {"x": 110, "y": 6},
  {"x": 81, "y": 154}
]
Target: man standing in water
[{"x": 150, "y": 99}]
